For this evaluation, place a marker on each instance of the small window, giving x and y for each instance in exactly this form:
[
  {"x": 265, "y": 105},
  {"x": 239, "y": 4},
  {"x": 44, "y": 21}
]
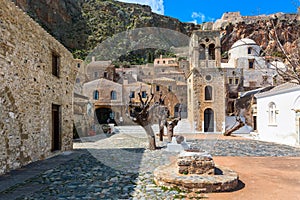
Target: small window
[
  {"x": 105, "y": 74},
  {"x": 113, "y": 95},
  {"x": 236, "y": 81},
  {"x": 55, "y": 64},
  {"x": 132, "y": 94},
  {"x": 95, "y": 74},
  {"x": 158, "y": 62},
  {"x": 208, "y": 93},
  {"x": 96, "y": 95},
  {"x": 251, "y": 64},
  {"x": 272, "y": 114},
  {"x": 230, "y": 81},
  {"x": 249, "y": 50},
  {"x": 157, "y": 88},
  {"x": 77, "y": 80},
  {"x": 164, "y": 62},
  {"x": 78, "y": 65},
  {"x": 144, "y": 94},
  {"x": 170, "y": 88}
]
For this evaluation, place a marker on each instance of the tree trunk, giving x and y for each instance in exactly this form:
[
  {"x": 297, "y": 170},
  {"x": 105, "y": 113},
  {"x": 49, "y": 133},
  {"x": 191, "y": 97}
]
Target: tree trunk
[
  {"x": 151, "y": 136},
  {"x": 161, "y": 130},
  {"x": 170, "y": 128},
  {"x": 231, "y": 130}
]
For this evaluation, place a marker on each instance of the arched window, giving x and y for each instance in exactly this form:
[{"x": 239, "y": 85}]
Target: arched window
[
  {"x": 113, "y": 95},
  {"x": 272, "y": 113},
  {"x": 77, "y": 80},
  {"x": 211, "y": 52},
  {"x": 96, "y": 95},
  {"x": 249, "y": 50},
  {"x": 208, "y": 93},
  {"x": 202, "y": 52}
]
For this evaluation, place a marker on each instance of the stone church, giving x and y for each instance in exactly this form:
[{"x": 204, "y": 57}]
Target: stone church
[{"x": 206, "y": 88}]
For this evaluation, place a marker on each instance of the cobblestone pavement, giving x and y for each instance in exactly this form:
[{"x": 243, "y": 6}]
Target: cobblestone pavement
[{"x": 120, "y": 167}]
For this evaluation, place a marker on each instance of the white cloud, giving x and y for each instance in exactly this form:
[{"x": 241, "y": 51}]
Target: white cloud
[
  {"x": 198, "y": 16},
  {"x": 156, "y": 5}
]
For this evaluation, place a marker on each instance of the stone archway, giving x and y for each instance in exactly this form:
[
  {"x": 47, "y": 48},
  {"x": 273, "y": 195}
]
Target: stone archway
[
  {"x": 209, "y": 120},
  {"x": 103, "y": 114}
]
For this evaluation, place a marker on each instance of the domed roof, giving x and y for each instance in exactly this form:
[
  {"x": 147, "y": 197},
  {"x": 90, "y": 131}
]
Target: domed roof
[{"x": 242, "y": 42}]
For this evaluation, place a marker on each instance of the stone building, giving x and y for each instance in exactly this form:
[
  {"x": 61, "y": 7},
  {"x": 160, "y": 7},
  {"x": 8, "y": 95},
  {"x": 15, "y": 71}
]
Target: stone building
[
  {"x": 37, "y": 77},
  {"x": 245, "y": 71},
  {"x": 100, "y": 69},
  {"x": 107, "y": 99},
  {"x": 206, "y": 83}
]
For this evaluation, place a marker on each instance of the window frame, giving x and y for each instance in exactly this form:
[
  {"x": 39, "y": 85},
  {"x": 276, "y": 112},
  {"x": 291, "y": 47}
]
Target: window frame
[
  {"x": 207, "y": 91},
  {"x": 251, "y": 64},
  {"x": 113, "y": 95},
  {"x": 96, "y": 95},
  {"x": 144, "y": 94},
  {"x": 55, "y": 61},
  {"x": 272, "y": 114}
]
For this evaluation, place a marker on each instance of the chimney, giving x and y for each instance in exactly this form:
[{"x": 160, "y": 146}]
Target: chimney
[{"x": 93, "y": 58}]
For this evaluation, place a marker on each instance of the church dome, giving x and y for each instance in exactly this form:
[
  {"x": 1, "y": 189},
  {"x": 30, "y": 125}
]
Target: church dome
[{"x": 243, "y": 42}]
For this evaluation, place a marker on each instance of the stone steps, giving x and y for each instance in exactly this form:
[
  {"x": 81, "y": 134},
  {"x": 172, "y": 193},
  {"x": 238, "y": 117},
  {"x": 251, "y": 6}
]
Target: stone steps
[{"x": 183, "y": 126}]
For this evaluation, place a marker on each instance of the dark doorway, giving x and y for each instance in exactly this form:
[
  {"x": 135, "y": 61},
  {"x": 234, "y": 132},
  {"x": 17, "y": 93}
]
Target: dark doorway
[
  {"x": 105, "y": 115},
  {"x": 56, "y": 136},
  {"x": 208, "y": 120},
  {"x": 254, "y": 123}
]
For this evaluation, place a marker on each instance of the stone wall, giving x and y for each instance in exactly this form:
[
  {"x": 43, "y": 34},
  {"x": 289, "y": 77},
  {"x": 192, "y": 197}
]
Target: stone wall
[{"x": 28, "y": 90}]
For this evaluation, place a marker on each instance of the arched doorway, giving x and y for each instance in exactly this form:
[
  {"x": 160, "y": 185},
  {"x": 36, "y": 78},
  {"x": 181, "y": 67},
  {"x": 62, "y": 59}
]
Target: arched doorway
[
  {"x": 103, "y": 114},
  {"x": 208, "y": 120}
]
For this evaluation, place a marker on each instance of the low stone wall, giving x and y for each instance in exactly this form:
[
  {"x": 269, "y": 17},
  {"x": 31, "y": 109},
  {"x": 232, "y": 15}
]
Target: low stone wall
[{"x": 195, "y": 163}]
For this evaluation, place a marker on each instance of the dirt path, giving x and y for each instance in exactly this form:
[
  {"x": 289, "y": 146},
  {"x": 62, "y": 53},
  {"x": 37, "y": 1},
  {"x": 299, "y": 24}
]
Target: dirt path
[{"x": 263, "y": 178}]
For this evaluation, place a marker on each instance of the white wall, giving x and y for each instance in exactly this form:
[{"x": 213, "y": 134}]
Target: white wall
[{"x": 285, "y": 130}]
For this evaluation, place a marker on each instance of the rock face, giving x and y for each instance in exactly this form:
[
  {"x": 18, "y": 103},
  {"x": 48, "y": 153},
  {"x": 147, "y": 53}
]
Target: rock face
[
  {"x": 261, "y": 29},
  {"x": 37, "y": 74},
  {"x": 82, "y": 24}
]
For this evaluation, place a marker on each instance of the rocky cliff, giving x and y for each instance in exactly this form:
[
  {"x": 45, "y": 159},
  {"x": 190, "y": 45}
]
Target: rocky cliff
[
  {"x": 262, "y": 29},
  {"x": 82, "y": 24}
]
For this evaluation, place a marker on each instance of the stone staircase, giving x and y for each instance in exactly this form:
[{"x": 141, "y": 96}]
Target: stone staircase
[{"x": 183, "y": 126}]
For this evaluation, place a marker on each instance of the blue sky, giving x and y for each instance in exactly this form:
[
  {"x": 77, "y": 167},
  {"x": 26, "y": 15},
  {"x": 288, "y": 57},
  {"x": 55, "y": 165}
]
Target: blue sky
[{"x": 199, "y": 11}]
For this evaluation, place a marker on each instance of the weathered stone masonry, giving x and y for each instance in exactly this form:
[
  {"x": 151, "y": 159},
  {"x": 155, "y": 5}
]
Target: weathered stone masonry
[{"x": 28, "y": 89}]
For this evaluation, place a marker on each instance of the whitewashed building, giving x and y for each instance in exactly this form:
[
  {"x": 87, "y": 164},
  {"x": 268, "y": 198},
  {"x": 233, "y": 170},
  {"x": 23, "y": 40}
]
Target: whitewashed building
[{"x": 278, "y": 114}]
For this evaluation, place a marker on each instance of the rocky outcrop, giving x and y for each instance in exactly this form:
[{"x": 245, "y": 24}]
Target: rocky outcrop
[
  {"x": 82, "y": 24},
  {"x": 261, "y": 29}
]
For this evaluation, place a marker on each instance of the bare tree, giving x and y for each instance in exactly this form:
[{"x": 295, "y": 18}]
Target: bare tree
[
  {"x": 162, "y": 115},
  {"x": 290, "y": 51},
  {"x": 142, "y": 114}
]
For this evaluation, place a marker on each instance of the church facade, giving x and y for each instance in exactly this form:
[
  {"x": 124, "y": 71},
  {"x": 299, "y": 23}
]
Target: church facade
[{"x": 206, "y": 88}]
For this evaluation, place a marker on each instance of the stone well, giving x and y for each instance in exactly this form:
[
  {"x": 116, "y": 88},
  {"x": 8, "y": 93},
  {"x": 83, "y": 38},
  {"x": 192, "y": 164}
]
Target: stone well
[{"x": 196, "y": 172}]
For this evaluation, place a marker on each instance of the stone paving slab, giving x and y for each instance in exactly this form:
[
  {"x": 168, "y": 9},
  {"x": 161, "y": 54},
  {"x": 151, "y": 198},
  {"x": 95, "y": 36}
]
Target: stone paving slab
[
  {"x": 17, "y": 178},
  {"x": 117, "y": 166}
]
